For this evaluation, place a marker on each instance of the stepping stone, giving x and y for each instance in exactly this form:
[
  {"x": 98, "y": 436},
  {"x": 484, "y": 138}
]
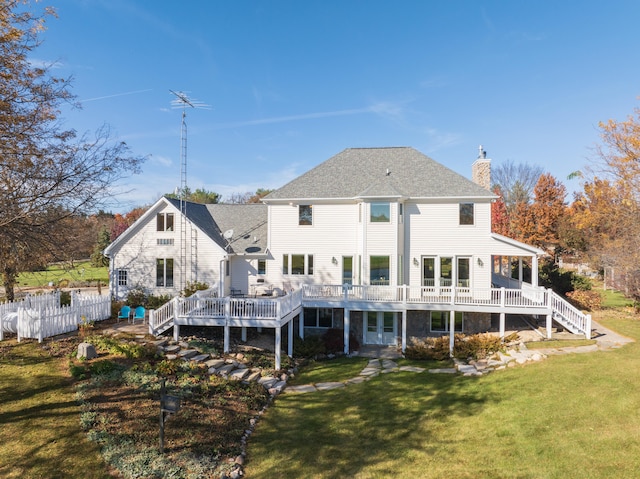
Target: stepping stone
[
  {"x": 215, "y": 363},
  {"x": 370, "y": 372},
  {"x": 412, "y": 369},
  {"x": 171, "y": 357},
  {"x": 329, "y": 385},
  {"x": 443, "y": 371},
  {"x": 387, "y": 371},
  {"x": 279, "y": 386},
  {"x": 373, "y": 363},
  {"x": 267, "y": 382},
  {"x": 183, "y": 345},
  {"x": 173, "y": 348},
  {"x": 467, "y": 369},
  {"x": 307, "y": 388},
  {"x": 226, "y": 369},
  {"x": 239, "y": 374},
  {"x": 356, "y": 380},
  {"x": 187, "y": 353},
  {"x": 388, "y": 364},
  {"x": 199, "y": 358},
  {"x": 160, "y": 343},
  {"x": 252, "y": 377}
]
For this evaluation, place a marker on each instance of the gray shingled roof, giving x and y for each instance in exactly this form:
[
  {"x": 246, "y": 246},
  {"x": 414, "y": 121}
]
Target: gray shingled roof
[
  {"x": 248, "y": 222},
  {"x": 381, "y": 172}
]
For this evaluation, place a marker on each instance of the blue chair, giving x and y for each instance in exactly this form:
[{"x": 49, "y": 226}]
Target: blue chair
[
  {"x": 125, "y": 313},
  {"x": 138, "y": 314}
]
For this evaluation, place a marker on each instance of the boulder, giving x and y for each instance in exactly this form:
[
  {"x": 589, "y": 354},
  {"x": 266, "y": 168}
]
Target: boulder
[{"x": 87, "y": 351}]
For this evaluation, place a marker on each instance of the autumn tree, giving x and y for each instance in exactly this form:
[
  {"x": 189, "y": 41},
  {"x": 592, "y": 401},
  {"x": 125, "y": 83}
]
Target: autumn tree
[
  {"x": 48, "y": 175},
  {"x": 608, "y": 208},
  {"x": 499, "y": 215},
  {"x": 516, "y": 182},
  {"x": 248, "y": 197},
  {"x": 548, "y": 209}
]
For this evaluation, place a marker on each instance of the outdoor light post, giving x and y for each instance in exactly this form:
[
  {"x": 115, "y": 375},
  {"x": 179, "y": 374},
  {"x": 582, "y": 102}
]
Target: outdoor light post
[{"x": 168, "y": 405}]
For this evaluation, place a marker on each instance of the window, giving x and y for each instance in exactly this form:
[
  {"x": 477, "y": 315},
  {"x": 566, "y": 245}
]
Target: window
[
  {"x": 164, "y": 272},
  {"x": 380, "y": 213},
  {"x": 164, "y": 241},
  {"x": 446, "y": 271},
  {"x": 379, "y": 270},
  {"x": 262, "y": 266},
  {"x": 164, "y": 222},
  {"x": 318, "y": 318},
  {"x": 428, "y": 272},
  {"x": 466, "y": 213},
  {"x": 226, "y": 268},
  {"x": 440, "y": 321},
  {"x": 122, "y": 277},
  {"x": 305, "y": 215},
  {"x": 297, "y": 264},
  {"x": 463, "y": 272},
  {"x": 347, "y": 270}
]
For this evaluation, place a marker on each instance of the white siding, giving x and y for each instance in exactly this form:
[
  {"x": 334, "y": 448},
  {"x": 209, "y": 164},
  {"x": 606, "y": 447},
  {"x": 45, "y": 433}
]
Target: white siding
[{"x": 138, "y": 254}]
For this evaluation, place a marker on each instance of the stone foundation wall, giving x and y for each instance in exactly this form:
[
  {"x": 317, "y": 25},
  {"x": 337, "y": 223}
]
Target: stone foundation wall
[{"x": 475, "y": 323}]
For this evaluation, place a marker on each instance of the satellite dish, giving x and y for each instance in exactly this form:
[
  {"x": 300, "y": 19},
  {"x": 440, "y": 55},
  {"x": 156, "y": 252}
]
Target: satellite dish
[{"x": 228, "y": 235}]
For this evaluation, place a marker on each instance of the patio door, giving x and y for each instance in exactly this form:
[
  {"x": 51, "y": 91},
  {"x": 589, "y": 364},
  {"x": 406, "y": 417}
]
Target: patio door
[{"x": 380, "y": 327}]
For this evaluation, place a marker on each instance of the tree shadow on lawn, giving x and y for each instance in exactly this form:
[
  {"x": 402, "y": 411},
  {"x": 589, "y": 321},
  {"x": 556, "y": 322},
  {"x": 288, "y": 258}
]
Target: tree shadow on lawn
[{"x": 365, "y": 426}]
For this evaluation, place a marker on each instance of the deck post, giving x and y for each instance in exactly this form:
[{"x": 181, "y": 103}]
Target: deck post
[
  {"x": 404, "y": 329},
  {"x": 290, "y": 338},
  {"x": 227, "y": 337},
  {"x": 243, "y": 334},
  {"x": 502, "y": 325},
  {"x": 278, "y": 344},
  {"x": 550, "y": 315},
  {"x": 587, "y": 333},
  {"x": 347, "y": 328},
  {"x": 301, "y": 324},
  {"x": 452, "y": 330}
]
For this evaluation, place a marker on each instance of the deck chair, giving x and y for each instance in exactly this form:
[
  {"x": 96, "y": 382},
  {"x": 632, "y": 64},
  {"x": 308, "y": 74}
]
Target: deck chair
[
  {"x": 125, "y": 313},
  {"x": 138, "y": 314}
]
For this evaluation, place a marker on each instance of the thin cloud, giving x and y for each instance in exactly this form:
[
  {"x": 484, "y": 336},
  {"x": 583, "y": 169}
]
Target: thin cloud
[
  {"x": 115, "y": 95},
  {"x": 284, "y": 119}
]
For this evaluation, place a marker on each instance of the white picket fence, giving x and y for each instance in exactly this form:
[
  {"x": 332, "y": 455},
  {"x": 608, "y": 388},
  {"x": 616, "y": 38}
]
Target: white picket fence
[{"x": 43, "y": 318}]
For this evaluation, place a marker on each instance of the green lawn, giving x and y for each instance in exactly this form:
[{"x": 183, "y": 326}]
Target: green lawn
[
  {"x": 40, "y": 434},
  {"x": 569, "y": 416},
  {"x": 64, "y": 275}
]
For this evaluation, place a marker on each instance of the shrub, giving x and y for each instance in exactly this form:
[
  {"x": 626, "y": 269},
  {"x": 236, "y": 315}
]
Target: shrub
[
  {"x": 581, "y": 283},
  {"x": 309, "y": 347},
  {"x": 585, "y": 299},
  {"x": 192, "y": 287},
  {"x": 476, "y": 346},
  {"x": 428, "y": 348},
  {"x": 334, "y": 341}
]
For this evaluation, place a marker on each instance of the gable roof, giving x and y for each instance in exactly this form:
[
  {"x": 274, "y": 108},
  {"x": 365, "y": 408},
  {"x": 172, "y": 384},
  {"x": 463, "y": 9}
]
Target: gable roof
[
  {"x": 380, "y": 172},
  {"x": 248, "y": 222}
]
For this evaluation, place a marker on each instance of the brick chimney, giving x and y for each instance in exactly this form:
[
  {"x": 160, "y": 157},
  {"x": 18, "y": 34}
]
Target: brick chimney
[{"x": 481, "y": 170}]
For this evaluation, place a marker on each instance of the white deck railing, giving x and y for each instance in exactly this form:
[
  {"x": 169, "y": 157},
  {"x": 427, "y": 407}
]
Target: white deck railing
[{"x": 539, "y": 300}]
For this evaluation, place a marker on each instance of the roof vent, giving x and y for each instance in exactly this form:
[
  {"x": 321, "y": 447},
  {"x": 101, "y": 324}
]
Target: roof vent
[{"x": 388, "y": 172}]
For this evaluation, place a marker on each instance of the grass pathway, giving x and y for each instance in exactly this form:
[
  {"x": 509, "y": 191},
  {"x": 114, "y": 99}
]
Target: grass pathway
[{"x": 40, "y": 434}]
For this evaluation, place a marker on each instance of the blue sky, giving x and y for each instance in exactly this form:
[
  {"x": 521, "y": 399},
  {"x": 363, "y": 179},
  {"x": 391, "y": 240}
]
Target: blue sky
[{"x": 291, "y": 83}]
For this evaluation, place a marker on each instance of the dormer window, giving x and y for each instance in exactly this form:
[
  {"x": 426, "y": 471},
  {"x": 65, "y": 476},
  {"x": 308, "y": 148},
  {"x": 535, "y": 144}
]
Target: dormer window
[
  {"x": 305, "y": 215},
  {"x": 380, "y": 213}
]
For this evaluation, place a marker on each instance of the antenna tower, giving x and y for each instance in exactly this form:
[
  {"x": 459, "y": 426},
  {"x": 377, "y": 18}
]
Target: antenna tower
[{"x": 181, "y": 100}]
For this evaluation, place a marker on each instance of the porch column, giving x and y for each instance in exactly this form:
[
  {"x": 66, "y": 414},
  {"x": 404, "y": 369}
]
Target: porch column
[
  {"x": 301, "y": 324},
  {"x": 502, "y": 323},
  {"x": 452, "y": 330},
  {"x": 520, "y": 273},
  {"x": 290, "y": 331},
  {"x": 549, "y": 326},
  {"x": 534, "y": 271},
  {"x": 404, "y": 330},
  {"x": 227, "y": 338},
  {"x": 278, "y": 344},
  {"x": 347, "y": 327}
]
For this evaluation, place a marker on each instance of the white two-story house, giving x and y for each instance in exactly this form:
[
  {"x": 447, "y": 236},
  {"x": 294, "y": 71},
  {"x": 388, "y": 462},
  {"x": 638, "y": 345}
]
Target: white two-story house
[{"x": 383, "y": 243}]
